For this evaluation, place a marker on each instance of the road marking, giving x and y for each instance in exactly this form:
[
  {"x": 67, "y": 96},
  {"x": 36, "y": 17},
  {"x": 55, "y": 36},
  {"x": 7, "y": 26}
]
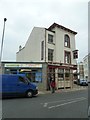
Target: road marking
[
  {"x": 45, "y": 104},
  {"x": 73, "y": 101},
  {"x": 61, "y": 101}
]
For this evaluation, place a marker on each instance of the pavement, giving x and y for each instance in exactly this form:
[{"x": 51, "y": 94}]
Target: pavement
[{"x": 64, "y": 90}]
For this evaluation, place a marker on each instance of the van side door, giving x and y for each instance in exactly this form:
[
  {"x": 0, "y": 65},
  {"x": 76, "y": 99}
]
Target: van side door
[{"x": 22, "y": 85}]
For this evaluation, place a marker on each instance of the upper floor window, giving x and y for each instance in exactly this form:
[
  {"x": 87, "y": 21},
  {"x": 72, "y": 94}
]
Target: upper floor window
[
  {"x": 50, "y": 38},
  {"x": 67, "y": 57},
  {"x": 67, "y": 41},
  {"x": 75, "y": 54},
  {"x": 50, "y": 54}
]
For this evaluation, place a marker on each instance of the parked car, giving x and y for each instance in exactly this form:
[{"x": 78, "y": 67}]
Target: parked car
[
  {"x": 16, "y": 85},
  {"x": 82, "y": 82}
]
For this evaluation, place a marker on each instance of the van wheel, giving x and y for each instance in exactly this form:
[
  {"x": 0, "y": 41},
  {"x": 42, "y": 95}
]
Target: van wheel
[{"x": 29, "y": 94}]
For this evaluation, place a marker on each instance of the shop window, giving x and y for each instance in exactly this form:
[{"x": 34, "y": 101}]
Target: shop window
[
  {"x": 38, "y": 77},
  {"x": 61, "y": 74},
  {"x": 67, "y": 41},
  {"x": 67, "y": 73}
]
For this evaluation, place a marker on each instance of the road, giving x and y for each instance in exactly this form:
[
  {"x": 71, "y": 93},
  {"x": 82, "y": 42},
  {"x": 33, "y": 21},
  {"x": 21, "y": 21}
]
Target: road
[{"x": 72, "y": 104}]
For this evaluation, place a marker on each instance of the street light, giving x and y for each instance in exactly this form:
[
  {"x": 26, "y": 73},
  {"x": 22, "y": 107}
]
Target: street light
[{"x": 5, "y": 19}]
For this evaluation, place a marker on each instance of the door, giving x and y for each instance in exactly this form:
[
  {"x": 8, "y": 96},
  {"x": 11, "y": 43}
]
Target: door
[{"x": 22, "y": 85}]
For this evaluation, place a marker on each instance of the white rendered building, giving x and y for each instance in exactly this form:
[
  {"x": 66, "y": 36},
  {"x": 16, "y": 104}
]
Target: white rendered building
[{"x": 55, "y": 46}]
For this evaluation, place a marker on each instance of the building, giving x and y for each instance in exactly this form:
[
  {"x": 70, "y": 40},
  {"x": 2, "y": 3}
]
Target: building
[
  {"x": 56, "y": 44},
  {"x": 80, "y": 68},
  {"x": 89, "y": 66},
  {"x": 56, "y": 47},
  {"x": 85, "y": 66}
]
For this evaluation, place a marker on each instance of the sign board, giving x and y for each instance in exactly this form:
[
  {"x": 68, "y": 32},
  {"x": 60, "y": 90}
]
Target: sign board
[{"x": 15, "y": 65}]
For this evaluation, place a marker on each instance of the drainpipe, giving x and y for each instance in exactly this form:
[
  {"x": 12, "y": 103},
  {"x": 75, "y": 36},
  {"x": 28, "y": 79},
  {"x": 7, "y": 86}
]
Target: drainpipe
[
  {"x": 45, "y": 45},
  {"x": 46, "y": 77}
]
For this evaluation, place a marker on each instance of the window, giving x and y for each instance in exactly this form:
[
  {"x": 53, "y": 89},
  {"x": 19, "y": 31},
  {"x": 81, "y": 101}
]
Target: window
[
  {"x": 42, "y": 50},
  {"x": 75, "y": 54},
  {"x": 50, "y": 54},
  {"x": 67, "y": 57},
  {"x": 67, "y": 73},
  {"x": 50, "y": 38},
  {"x": 22, "y": 79},
  {"x": 61, "y": 73},
  {"x": 67, "y": 41}
]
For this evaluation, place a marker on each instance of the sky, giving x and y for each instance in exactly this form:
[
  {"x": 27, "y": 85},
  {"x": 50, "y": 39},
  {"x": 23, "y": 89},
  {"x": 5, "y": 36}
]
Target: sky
[{"x": 23, "y": 15}]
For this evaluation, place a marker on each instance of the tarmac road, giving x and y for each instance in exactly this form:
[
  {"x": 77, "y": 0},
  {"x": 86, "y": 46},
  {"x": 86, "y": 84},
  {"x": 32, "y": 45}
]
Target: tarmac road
[{"x": 71, "y": 104}]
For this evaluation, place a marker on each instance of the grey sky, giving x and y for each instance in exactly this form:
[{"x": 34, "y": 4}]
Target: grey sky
[{"x": 22, "y": 16}]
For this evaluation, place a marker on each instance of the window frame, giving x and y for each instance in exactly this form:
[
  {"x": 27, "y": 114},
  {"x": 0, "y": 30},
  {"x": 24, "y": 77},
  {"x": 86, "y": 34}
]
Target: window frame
[
  {"x": 66, "y": 41},
  {"x": 69, "y": 53},
  {"x": 50, "y": 54},
  {"x": 61, "y": 73},
  {"x": 75, "y": 54},
  {"x": 67, "y": 73},
  {"x": 50, "y": 38}
]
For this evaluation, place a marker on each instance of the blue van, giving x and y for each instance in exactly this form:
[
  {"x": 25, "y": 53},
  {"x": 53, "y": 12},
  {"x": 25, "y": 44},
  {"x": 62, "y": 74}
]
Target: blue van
[{"x": 17, "y": 85}]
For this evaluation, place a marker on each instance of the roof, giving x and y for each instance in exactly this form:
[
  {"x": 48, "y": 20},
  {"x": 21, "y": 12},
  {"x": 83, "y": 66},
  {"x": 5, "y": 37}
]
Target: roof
[{"x": 62, "y": 27}]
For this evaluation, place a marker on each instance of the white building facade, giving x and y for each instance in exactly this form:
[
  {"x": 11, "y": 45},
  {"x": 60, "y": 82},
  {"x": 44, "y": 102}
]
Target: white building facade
[
  {"x": 85, "y": 66},
  {"x": 55, "y": 46},
  {"x": 42, "y": 40}
]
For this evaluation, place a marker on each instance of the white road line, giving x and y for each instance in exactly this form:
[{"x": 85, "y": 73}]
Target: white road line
[
  {"x": 62, "y": 100},
  {"x": 45, "y": 105},
  {"x": 66, "y": 103}
]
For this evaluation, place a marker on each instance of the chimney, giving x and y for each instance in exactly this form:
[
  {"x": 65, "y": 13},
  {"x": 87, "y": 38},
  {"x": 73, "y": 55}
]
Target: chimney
[{"x": 20, "y": 47}]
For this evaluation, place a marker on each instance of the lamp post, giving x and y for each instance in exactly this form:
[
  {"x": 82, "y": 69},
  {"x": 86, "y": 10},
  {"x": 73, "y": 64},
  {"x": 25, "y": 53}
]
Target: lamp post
[{"x": 5, "y": 19}]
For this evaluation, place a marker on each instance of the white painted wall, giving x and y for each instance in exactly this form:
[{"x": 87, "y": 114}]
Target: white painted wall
[
  {"x": 50, "y": 45},
  {"x": 32, "y": 50},
  {"x": 59, "y": 45}
]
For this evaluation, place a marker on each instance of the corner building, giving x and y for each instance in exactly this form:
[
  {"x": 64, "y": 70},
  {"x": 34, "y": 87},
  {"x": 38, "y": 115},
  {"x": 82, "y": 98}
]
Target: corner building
[{"x": 56, "y": 47}]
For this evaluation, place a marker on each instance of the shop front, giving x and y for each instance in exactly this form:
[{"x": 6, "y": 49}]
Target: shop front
[
  {"x": 40, "y": 73},
  {"x": 35, "y": 71},
  {"x": 32, "y": 70},
  {"x": 63, "y": 75}
]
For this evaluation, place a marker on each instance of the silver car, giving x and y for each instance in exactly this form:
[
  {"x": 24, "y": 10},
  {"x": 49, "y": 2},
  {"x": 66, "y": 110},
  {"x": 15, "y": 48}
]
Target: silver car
[{"x": 83, "y": 82}]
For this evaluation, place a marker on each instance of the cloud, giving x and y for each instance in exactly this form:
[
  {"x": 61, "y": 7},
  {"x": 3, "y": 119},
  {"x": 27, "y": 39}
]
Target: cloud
[{"x": 22, "y": 16}]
